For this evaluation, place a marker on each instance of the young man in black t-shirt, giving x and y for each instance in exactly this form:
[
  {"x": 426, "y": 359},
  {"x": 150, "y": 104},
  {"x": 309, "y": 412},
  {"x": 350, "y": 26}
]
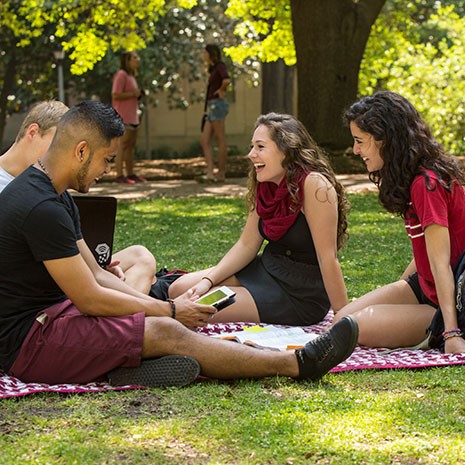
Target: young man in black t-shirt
[{"x": 64, "y": 319}]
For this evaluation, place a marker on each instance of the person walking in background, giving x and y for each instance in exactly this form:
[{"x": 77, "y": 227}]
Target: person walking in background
[
  {"x": 125, "y": 94},
  {"x": 298, "y": 206},
  {"x": 216, "y": 109}
]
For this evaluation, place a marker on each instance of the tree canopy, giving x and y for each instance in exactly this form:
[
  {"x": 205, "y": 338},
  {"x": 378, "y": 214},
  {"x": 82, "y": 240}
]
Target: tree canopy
[
  {"x": 168, "y": 34},
  {"x": 415, "y": 48},
  {"x": 86, "y": 29},
  {"x": 418, "y": 50}
]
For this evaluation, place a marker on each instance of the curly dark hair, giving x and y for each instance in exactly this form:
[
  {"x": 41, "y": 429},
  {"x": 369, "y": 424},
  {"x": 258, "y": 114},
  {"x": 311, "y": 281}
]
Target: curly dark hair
[
  {"x": 407, "y": 148},
  {"x": 301, "y": 155}
]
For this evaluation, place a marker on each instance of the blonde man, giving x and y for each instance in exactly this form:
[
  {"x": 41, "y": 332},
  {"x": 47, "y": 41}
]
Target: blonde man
[
  {"x": 135, "y": 264},
  {"x": 32, "y": 141}
]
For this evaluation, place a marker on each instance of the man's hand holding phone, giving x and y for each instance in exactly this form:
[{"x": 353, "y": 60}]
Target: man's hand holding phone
[{"x": 190, "y": 313}]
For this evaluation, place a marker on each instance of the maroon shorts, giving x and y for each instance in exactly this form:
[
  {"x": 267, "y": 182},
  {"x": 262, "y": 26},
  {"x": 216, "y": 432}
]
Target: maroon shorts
[{"x": 67, "y": 346}]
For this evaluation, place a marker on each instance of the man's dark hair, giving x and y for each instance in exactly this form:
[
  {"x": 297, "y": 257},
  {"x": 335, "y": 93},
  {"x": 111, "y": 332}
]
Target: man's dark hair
[{"x": 96, "y": 116}]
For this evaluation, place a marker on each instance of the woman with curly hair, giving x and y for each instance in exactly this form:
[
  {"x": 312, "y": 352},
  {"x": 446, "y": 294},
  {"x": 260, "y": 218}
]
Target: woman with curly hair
[
  {"x": 424, "y": 186},
  {"x": 299, "y": 208}
]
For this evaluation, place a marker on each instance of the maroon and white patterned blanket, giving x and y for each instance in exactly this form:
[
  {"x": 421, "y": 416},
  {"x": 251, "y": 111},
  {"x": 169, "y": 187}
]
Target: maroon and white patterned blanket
[{"x": 362, "y": 358}]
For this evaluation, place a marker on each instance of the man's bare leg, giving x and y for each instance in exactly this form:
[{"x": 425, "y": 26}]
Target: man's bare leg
[
  {"x": 217, "y": 358},
  {"x": 227, "y": 360}
]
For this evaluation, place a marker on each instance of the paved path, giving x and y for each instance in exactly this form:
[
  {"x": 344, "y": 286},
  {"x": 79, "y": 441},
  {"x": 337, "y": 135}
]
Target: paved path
[{"x": 233, "y": 187}]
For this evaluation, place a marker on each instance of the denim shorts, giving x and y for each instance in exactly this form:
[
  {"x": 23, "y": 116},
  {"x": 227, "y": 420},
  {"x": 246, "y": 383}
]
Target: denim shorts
[{"x": 217, "y": 109}]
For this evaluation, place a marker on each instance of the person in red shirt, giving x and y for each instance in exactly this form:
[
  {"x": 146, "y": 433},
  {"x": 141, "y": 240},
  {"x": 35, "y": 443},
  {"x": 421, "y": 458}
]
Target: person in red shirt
[
  {"x": 125, "y": 93},
  {"x": 216, "y": 109},
  {"x": 418, "y": 181}
]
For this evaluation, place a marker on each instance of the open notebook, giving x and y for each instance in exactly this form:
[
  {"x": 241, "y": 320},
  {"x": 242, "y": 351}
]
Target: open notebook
[{"x": 98, "y": 217}]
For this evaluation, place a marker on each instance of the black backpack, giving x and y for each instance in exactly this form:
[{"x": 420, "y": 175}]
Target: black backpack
[{"x": 437, "y": 324}]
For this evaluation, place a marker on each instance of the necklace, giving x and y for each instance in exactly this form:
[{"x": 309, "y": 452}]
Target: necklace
[{"x": 42, "y": 166}]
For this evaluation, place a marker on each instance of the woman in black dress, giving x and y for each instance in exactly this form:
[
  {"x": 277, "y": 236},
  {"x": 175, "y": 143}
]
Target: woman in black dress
[{"x": 298, "y": 207}]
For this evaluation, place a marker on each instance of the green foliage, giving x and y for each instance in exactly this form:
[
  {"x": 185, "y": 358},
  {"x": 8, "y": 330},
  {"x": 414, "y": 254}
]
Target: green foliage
[
  {"x": 418, "y": 51},
  {"x": 265, "y": 29},
  {"x": 416, "y": 48},
  {"x": 365, "y": 417},
  {"x": 85, "y": 28},
  {"x": 170, "y": 40}
]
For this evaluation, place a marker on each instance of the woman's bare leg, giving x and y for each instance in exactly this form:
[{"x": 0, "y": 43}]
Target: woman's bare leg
[
  {"x": 128, "y": 153},
  {"x": 389, "y": 316},
  {"x": 220, "y": 137},
  {"x": 207, "y": 149}
]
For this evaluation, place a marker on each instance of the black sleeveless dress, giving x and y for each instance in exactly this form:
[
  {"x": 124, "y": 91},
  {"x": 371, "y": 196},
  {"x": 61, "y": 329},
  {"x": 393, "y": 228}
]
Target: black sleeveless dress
[{"x": 285, "y": 280}]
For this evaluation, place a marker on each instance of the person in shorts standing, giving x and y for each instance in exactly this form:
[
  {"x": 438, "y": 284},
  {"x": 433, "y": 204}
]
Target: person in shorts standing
[
  {"x": 125, "y": 93},
  {"x": 216, "y": 109}
]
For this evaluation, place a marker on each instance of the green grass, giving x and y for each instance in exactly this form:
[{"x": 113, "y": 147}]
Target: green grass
[{"x": 363, "y": 417}]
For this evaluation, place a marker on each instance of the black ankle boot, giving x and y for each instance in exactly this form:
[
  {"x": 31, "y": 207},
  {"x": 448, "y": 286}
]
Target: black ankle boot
[{"x": 328, "y": 350}]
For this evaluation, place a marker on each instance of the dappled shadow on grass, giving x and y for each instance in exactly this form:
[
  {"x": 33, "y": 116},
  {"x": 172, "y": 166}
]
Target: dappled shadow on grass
[{"x": 347, "y": 418}]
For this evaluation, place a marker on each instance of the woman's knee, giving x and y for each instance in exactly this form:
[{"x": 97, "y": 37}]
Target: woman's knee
[
  {"x": 344, "y": 311},
  {"x": 177, "y": 287},
  {"x": 141, "y": 255}
]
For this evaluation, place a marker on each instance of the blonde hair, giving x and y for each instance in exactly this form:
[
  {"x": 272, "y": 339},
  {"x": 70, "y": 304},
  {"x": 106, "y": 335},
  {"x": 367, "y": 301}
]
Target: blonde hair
[{"x": 45, "y": 114}]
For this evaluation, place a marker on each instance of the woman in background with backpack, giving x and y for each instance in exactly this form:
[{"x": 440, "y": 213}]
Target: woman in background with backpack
[{"x": 424, "y": 186}]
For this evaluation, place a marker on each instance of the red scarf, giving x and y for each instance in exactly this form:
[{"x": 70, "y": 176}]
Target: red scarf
[{"x": 274, "y": 207}]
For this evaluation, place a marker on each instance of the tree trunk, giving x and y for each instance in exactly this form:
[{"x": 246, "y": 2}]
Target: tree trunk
[
  {"x": 278, "y": 87},
  {"x": 330, "y": 38},
  {"x": 7, "y": 89}
]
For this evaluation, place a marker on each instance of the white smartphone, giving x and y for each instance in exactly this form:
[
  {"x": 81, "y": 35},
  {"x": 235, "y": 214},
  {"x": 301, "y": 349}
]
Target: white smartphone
[{"x": 219, "y": 298}]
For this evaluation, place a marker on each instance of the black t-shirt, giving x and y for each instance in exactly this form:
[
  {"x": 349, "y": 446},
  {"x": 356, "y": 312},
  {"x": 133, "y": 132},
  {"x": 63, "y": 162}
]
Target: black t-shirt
[{"x": 36, "y": 224}]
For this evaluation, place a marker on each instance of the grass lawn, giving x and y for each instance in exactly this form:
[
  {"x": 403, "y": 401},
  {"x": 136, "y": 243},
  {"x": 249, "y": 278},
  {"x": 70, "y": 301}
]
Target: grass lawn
[{"x": 362, "y": 417}]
